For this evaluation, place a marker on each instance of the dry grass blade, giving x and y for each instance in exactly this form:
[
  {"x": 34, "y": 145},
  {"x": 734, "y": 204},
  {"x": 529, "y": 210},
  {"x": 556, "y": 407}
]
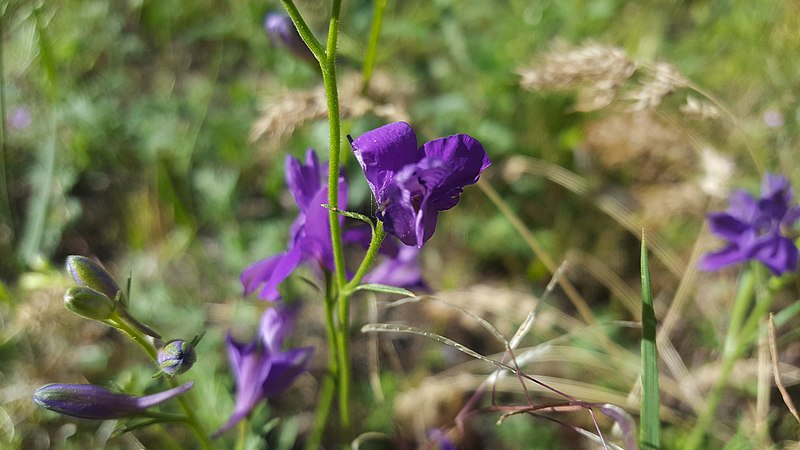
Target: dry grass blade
[
  {"x": 776, "y": 371},
  {"x": 517, "y": 165}
]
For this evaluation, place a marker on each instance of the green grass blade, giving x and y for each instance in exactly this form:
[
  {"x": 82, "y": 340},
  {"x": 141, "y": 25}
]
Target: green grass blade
[{"x": 649, "y": 427}]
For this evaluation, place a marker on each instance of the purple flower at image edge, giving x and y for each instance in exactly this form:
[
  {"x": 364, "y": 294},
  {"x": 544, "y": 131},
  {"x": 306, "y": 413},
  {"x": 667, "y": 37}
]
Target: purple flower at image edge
[
  {"x": 411, "y": 185},
  {"x": 260, "y": 368},
  {"x": 753, "y": 228},
  {"x": 89, "y": 401}
]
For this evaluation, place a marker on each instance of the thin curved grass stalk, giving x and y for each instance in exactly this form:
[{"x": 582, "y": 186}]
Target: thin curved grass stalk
[
  {"x": 367, "y": 437},
  {"x": 580, "y": 186},
  {"x": 773, "y": 349},
  {"x": 600, "y": 271}
]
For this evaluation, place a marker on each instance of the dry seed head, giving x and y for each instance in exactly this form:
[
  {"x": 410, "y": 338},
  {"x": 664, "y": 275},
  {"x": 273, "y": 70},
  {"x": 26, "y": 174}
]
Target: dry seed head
[
  {"x": 718, "y": 170},
  {"x": 665, "y": 79},
  {"x": 699, "y": 109},
  {"x": 600, "y": 67},
  {"x": 286, "y": 112}
]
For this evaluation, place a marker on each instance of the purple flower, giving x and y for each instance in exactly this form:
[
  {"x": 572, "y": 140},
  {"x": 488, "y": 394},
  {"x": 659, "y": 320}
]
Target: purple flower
[
  {"x": 310, "y": 237},
  {"x": 282, "y": 32},
  {"x": 753, "y": 226},
  {"x": 411, "y": 185},
  {"x": 440, "y": 437},
  {"x": 89, "y": 401},
  {"x": 261, "y": 369}
]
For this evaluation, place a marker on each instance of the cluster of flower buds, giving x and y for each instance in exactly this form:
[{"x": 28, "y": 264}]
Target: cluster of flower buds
[{"x": 97, "y": 296}]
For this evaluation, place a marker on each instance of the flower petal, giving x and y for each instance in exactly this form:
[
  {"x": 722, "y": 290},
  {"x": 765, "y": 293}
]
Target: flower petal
[
  {"x": 776, "y": 252},
  {"x": 286, "y": 367},
  {"x": 727, "y": 226},
  {"x": 727, "y": 256},
  {"x": 383, "y": 152},
  {"x": 304, "y": 180},
  {"x": 270, "y": 272},
  {"x": 465, "y": 156}
]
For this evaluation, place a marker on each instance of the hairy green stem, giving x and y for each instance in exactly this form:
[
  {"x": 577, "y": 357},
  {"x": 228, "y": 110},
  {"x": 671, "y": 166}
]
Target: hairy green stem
[
  {"x": 329, "y": 384},
  {"x": 372, "y": 48},
  {"x": 145, "y": 343}
]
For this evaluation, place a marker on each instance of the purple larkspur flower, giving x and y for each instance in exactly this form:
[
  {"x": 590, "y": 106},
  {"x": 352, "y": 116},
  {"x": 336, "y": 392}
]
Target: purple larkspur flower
[
  {"x": 310, "y": 237},
  {"x": 753, "y": 228},
  {"x": 262, "y": 370},
  {"x": 89, "y": 401},
  {"x": 440, "y": 437},
  {"x": 282, "y": 32},
  {"x": 411, "y": 185}
]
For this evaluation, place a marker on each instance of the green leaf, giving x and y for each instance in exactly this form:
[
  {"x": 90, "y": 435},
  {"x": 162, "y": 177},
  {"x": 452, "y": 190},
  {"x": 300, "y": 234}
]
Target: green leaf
[
  {"x": 384, "y": 289},
  {"x": 649, "y": 426}
]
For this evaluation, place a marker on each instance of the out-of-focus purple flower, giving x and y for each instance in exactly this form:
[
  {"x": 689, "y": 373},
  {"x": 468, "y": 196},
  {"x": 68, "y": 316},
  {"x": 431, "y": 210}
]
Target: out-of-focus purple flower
[
  {"x": 261, "y": 369},
  {"x": 753, "y": 226},
  {"x": 89, "y": 401},
  {"x": 310, "y": 235},
  {"x": 773, "y": 118},
  {"x": 440, "y": 437},
  {"x": 20, "y": 118},
  {"x": 411, "y": 185},
  {"x": 282, "y": 32},
  {"x": 310, "y": 238}
]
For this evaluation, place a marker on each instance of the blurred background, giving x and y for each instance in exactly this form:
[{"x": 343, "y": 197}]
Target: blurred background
[{"x": 151, "y": 135}]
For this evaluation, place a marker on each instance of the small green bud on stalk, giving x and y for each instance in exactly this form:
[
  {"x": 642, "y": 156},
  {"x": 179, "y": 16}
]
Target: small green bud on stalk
[
  {"x": 90, "y": 274},
  {"x": 87, "y": 302},
  {"x": 176, "y": 357}
]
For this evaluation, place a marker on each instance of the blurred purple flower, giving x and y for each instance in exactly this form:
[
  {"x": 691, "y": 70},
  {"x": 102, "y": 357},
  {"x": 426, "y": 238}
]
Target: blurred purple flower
[
  {"x": 282, "y": 32},
  {"x": 261, "y": 369},
  {"x": 20, "y": 118},
  {"x": 440, "y": 437},
  {"x": 411, "y": 185},
  {"x": 89, "y": 401},
  {"x": 310, "y": 237},
  {"x": 753, "y": 226}
]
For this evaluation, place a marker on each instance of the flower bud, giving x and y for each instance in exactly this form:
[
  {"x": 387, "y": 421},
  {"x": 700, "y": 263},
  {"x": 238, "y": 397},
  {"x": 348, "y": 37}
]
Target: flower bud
[
  {"x": 89, "y": 303},
  {"x": 88, "y": 273},
  {"x": 89, "y": 401},
  {"x": 283, "y": 33},
  {"x": 176, "y": 356}
]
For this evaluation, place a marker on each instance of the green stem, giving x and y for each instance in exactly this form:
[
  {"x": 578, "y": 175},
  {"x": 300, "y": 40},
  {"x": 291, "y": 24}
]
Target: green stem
[
  {"x": 738, "y": 339},
  {"x": 329, "y": 384},
  {"x": 372, "y": 252},
  {"x": 242, "y": 436},
  {"x": 143, "y": 341},
  {"x": 372, "y": 48},
  {"x": 328, "y": 68},
  {"x": 303, "y": 30}
]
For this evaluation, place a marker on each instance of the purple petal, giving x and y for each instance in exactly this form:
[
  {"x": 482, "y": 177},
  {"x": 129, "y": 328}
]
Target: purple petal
[
  {"x": 464, "y": 155},
  {"x": 402, "y": 271},
  {"x": 773, "y": 184},
  {"x": 270, "y": 272},
  {"x": 727, "y": 256},
  {"x": 776, "y": 252},
  {"x": 742, "y": 206},
  {"x": 88, "y": 401},
  {"x": 383, "y": 152},
  {"x": 148, "y": 401},
  {"x": 275, "y": 325},
  {"x": 727, "y": 226},
  {"x": 304, "y": 180},
  {"x": 398, "y": 216},
  {"x": 286, "y": 367}
]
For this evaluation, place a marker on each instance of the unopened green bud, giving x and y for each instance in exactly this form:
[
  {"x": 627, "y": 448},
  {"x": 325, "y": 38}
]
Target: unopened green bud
[
  {"x": 89, "y": 303},
  {"x": 176, "y": 356},
  {"x": 88, "y": 273}
]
